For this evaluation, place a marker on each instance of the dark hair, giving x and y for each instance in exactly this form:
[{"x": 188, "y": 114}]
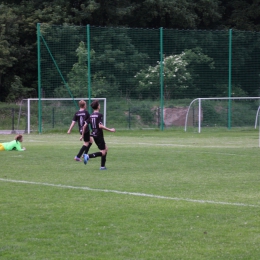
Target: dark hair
[
  {"x": 18, "y": 138},
  {"x": 95, "y": 104}
]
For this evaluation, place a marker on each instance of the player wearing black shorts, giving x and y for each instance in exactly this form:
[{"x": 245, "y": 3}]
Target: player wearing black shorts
[
  {"x": 96, "y": 122},
  {"x": 80, "y": 116}
]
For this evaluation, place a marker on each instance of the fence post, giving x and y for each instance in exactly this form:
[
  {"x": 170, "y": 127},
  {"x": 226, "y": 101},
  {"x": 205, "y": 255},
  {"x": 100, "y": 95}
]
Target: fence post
[
  {"x": 199, "y": 115},
  {"x": 161, "y": 75},
  {"x": 159, "y": 112},
  {"x": 229, "y": 79},
  {"x": 53, "y": 117},
  {"x": 89, "y": 69},
  {"x": 26, "y": 124},
  {"x": 129, "y": 118},
  {"x": 13, "y": 121},
  {"x": 39, "y": 76}
]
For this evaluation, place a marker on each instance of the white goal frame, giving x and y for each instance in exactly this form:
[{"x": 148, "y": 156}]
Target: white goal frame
[
  {"x": 59, "y": 99},
  {"x": 217, "y": 98}
]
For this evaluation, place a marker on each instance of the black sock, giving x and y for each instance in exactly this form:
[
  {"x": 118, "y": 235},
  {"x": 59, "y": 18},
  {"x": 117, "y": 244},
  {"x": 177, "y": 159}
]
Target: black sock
[
  {"x": 103, "y": 160},
  {"x": 87, "y": 148},
  {"x": 94, "y": 155},
  {"x": 81, "y": 151}
]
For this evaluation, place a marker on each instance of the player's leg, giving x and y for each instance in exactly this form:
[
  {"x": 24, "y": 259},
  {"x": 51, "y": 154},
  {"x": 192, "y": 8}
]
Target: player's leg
[
  {"x": 85, "y": 147},
  {"x": 92, "y": 155},
  {"x": 81, "y": 151},
  {"x": 89, "y": 144},
  {"x": 103, "y": 149},
  {"x": 104, "y": 158},
  {"x": 102, "y": 146}
]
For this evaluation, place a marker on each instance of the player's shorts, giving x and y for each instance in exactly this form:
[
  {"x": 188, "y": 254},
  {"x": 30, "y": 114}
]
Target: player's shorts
[
  {"x": 86, "y": 137},
  {"x": 100, "y": 142},
  {"x": 2, "y": 147}
]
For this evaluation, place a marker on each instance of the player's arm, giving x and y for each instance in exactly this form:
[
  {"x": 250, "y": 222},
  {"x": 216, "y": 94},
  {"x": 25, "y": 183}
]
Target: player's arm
[
  {"x": 19, "y": 148},
  {"x": 106, "y": 128},
  {"x": 71, "y": 126}
]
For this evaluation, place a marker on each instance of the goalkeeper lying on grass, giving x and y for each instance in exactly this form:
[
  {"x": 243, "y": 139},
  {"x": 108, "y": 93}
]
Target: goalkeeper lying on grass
[{"x": 13, "y": 145}]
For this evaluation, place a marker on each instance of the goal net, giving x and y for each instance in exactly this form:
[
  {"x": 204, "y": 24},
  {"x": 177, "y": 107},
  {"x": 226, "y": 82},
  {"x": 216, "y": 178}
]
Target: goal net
[
  {"x": 222, "y": 112},
  {"x": 51, "y": 114}
]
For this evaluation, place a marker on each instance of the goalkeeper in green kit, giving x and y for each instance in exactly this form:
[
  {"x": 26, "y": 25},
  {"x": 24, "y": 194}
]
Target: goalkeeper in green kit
[{"x": 13, "y": 145}]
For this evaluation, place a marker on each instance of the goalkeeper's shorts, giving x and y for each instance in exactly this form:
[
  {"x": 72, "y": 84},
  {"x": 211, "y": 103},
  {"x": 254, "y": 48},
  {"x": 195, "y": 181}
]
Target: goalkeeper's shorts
[{"x": 2, "y": 147}]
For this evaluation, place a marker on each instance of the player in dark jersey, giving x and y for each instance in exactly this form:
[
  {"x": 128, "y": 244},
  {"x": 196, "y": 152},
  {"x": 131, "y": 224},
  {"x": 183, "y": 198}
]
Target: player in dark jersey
[
  {"x": 80, "y": 116},
  {"x": 96, "y": 122}
]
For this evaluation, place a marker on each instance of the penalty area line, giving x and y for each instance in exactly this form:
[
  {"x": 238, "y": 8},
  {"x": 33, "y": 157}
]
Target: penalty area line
[{"x": 130, "y": 193}]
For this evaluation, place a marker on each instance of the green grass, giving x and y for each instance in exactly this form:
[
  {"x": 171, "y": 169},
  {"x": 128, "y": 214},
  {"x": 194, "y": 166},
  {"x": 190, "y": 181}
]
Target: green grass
[{"x": 165, "y": 195}]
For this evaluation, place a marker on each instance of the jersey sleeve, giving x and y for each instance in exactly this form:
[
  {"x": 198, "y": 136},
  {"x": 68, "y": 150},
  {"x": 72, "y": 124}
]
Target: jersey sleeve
[
  {"x": 18, "y": 146},
  {"x": 75, "y": 118}
]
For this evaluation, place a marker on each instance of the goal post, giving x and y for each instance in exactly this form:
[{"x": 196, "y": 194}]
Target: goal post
[
  {"x": 54, "y": 114},
  {"x": 220, "y": 111}
]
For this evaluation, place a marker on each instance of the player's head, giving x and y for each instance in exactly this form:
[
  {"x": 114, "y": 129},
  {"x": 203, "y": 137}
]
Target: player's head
[
  {"x": 95, "y": 104},
  {"x": 82, "y": 104},
  {"x": 19, "y": 138}
]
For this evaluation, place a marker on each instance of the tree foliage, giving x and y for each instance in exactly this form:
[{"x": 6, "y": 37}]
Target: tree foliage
[
  {"x": 242, "y": 15},
  {"x": 14, "y": 51},
  {"x": 18, "y": 42},
  {"x": 78, "y": 78},
  {"x": 178, "y": 75}
]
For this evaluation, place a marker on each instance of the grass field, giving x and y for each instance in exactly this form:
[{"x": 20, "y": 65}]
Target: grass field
[{"x": 165, "y": 195}]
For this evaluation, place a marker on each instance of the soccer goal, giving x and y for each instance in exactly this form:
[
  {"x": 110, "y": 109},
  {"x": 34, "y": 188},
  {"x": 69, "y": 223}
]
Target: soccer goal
[
  {"x": 222, "y": 112},
  {"x": 54, "y": 114}
]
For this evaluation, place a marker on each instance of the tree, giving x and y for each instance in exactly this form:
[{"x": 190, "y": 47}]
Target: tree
[
  {"x": 18, "y": 47},
  {"x": 78, "y": 78},
  {"x": 18, "y": 43},
  {"x": 116, "y": 59},
  {"x": 8, "y": 43},
  {"x": 11, "y": 52},
  {"x": 179, "y": 75},
  {"x": 101, "y": 12},
  {"x": 17, "y": 91},
  {"x": 241, "y": 14},
  {"x": 209, "y": 14},
  {"x": 188, "y": 14}
]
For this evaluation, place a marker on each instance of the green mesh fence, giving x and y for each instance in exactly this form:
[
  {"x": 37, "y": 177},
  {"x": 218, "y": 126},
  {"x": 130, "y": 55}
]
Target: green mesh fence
[{"x": 149, "y": 77}]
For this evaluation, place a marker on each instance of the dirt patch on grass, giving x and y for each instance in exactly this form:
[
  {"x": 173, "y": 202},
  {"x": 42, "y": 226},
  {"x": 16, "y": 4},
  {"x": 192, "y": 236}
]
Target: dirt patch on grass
[{"x": 176, "y": 116}]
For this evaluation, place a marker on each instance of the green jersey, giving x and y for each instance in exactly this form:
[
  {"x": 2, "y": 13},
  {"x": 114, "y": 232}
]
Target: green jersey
[{"x": 13, "y": 145}]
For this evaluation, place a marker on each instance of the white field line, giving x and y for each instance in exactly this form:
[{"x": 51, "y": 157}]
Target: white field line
[
  {"x": 130, "y": 193},
  {"x": 163, "y": 144},
  {"x": 191, "y": 145},
  {"x": 232, "y": 145}
]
